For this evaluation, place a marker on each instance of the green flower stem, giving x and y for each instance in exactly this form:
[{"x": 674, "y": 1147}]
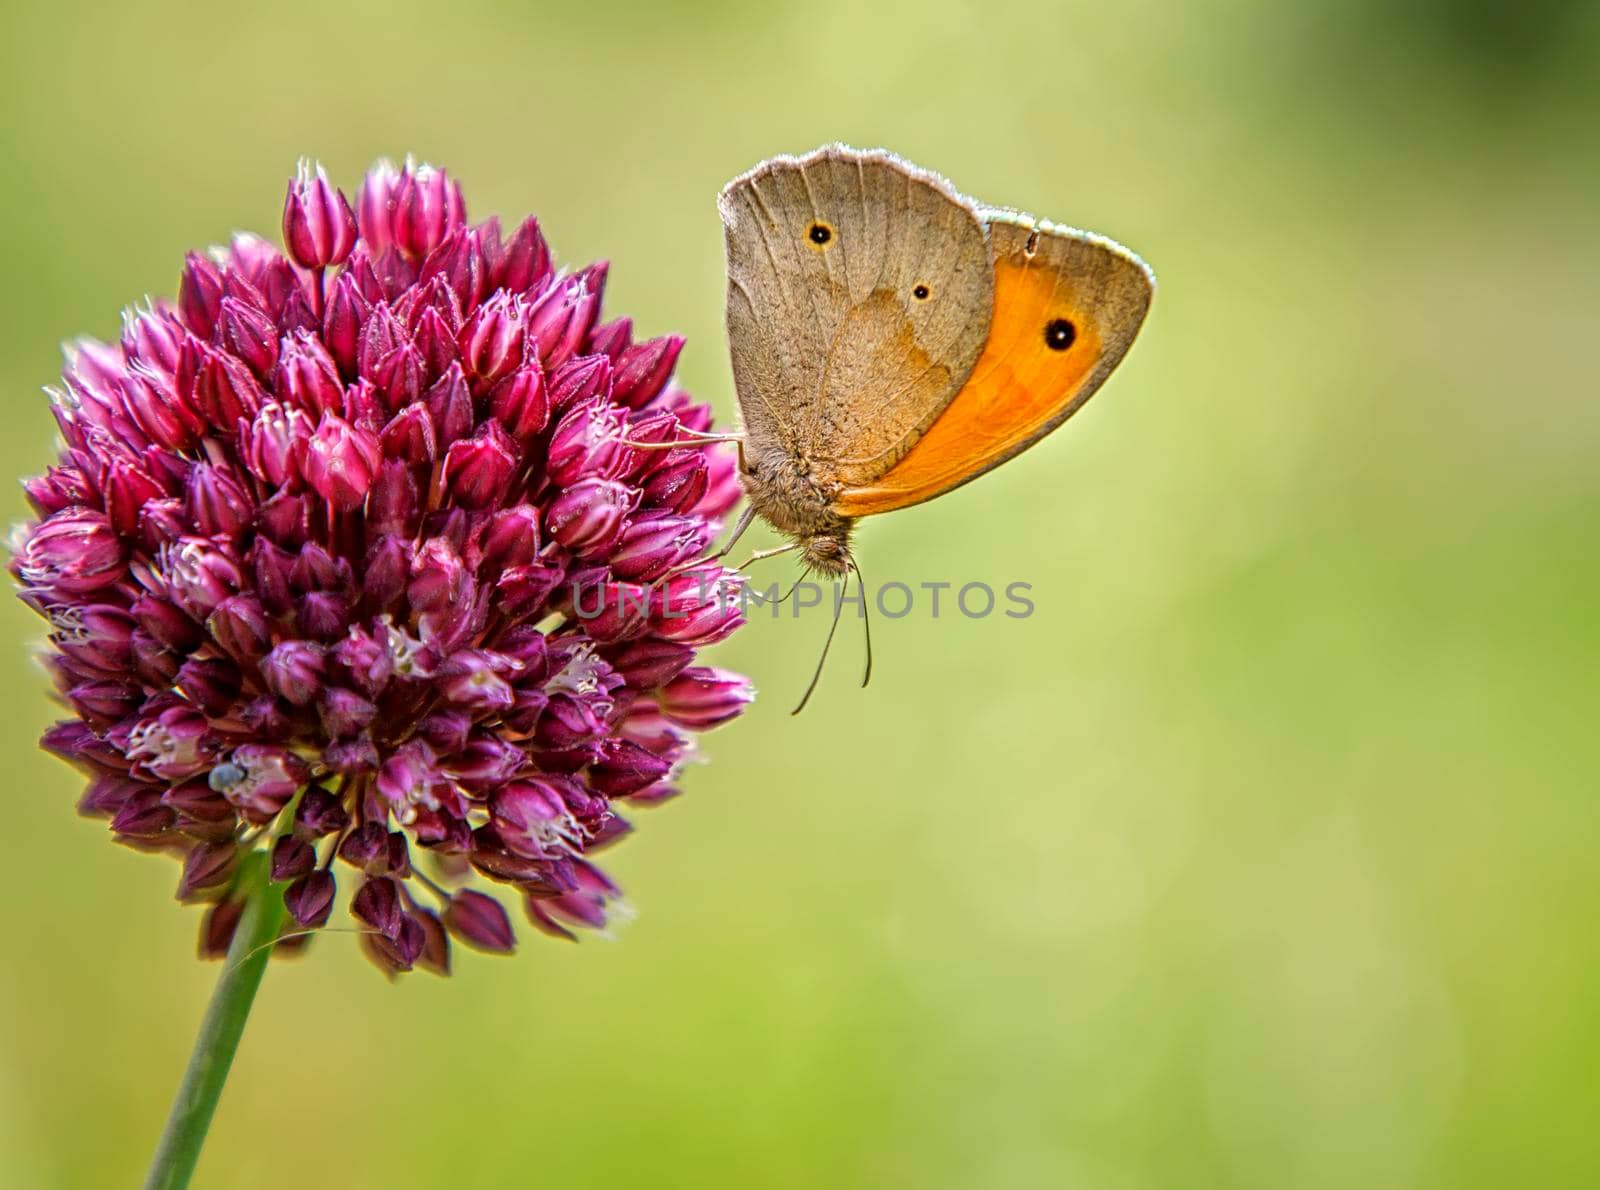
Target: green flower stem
[{"x": 242, "y": 970}]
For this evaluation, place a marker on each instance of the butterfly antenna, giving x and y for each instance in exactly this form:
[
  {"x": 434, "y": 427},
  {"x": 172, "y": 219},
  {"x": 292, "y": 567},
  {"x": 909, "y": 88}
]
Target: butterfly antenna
[
  {"x": 838, "y": 609},
  {"x": 745, "y": 517},
  {"x": 787, "y": 595},
  {"x": 866, "y": 621}
]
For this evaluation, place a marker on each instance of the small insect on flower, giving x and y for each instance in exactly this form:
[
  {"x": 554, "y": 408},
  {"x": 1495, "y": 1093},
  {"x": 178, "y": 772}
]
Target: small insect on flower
[{"x": 310, "y": 553}]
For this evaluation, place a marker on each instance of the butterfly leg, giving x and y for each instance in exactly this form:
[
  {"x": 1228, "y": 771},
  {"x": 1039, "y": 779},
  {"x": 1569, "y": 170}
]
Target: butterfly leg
[
  {"x": 696, "y": 438},
  {"x": 762, "y": 555},
  {"x": 739, "y": 527}
]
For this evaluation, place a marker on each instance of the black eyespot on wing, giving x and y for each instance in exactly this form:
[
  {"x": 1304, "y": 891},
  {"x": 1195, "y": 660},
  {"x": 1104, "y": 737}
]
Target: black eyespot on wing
[
  {"x": 1059, "y": 334},
  {"x": 920, "y": 293},
  {"x": 819, "y": 234}
]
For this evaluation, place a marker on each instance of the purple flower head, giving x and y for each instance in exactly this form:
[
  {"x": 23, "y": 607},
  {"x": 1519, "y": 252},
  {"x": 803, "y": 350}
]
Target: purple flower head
[{"x": 349, "y": 555}]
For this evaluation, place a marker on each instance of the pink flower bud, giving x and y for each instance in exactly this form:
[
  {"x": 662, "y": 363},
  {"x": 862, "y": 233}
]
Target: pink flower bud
[
  {"x": 533, "y": 819},
  {"x": 427, "y": 207},
  {"x": 221, "y": 387},
  {"x": 611, "y": 339},
  {"x": 437, "y": 576},
  {"x": 239, "y": 624},
  {"x": 217, "y": 501},
  {"x": 364, "y": 405},
  {"x": 449, "y": 403},
  {"x": 478, "y": 470},
  {"x": 211, "y": 683},
  {"x": 459, "y": 262},
  {"x": 484, "y": 761},
  {"x": 521, "y": 404},
  {"x": 477, "y": 679},
  {"x": 200, "y": 294},
  {"x": 396, "y": 951},
  {"x": 388, "y": 564},
  {"x": 586, "y": 906},
  {"x": 319, "y": 227},
  {"x": 408, "y": 778},
  {"x": 292, "y": 858},
  {"x": 376, "y": 202},
  {"x": 256, "y": 272},
  {"x": 644, "y": 370},
  {"x": 433, "y": 296},
  {"x": 344, "y": 712},
  {"x": 491, "y": 342},
  {"x": 155, "y": 338},
  {"x": 435, "y": 343},
  {"x": 164, "y": 622},
  {"x": 353, "y": 756},
  {"x": 698, "y": 607},
  {"x": 611, "y": 611},
  {"x": 259, "y": 779},
  {"x": 511, "y": 538},
  {"x": 310, "y": 899},
  {"x": 285, "y": 519},
  {"x": 153, "y": 406},
  {"x": 624, "y": 768},
  {"x": 346, "y": 312},
  {"x": 294, "y": 671},
  {"x": 249, "y": 334},
  {"x": 722, "y": 483},
  {"x": 561, "y": 319},
  {"x": 410, "y": 436},
  {"x": 589, "y": 517},
  {"x": 586, "y": 445},
  {"x": 172, "y": 745},
  {"x": 579, "y": 381},
  {"x": 196, "y": 801},
  {"x": 200, "y": 575},
  {"x": 381, "y": 333},
  {"x": 308, "y": 376},
  {"x": 570, "y": 721},
  {"x": 51, "y": 492},
  {"x": 480, "y": 921},
  {"x": 526, "y": 263},
  {"x": 703, "y": 697},
  {"x": 128, "y": 487},
  {"x": 649, "y": 663},
  {"x": 319, "y": 814},
  {"x": 71, "y": 554},
  {"x": 651, "y": 546},
  {"x": 342, "y": 461},
  {"x": 275, "y": 443},
  {"x": 678, "y": 483},
  {"x": 98, "y": 635},
  {"x": 399, "y": 376},
  {"x": 207, "y": 866},
  {"x": 522, "y": 589}
]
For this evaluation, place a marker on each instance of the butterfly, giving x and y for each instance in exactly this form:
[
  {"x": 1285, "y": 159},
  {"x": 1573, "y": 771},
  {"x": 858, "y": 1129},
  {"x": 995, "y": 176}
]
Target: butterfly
[{"x": 892, "y": 339}]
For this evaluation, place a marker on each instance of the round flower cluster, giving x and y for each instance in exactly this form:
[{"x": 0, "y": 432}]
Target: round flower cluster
[{"x": 362, "y": 553}]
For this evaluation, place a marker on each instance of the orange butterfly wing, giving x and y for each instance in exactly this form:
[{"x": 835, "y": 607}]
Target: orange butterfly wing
[{"x": 1067, "y": 306}]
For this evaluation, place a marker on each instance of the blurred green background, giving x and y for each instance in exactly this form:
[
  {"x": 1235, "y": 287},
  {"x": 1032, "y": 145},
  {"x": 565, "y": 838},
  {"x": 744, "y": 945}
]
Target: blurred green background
[{"x": 1261, "y": 856}]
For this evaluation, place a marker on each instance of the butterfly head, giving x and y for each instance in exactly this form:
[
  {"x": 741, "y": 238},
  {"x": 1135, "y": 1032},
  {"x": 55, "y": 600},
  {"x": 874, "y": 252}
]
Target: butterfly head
[{"x": 827, "y": 551}]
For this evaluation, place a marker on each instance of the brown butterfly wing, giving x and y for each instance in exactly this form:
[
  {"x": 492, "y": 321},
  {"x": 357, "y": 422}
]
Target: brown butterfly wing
[
  {"x": 1066, "y": 309},
  {"x": 859, "y": 297}
]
